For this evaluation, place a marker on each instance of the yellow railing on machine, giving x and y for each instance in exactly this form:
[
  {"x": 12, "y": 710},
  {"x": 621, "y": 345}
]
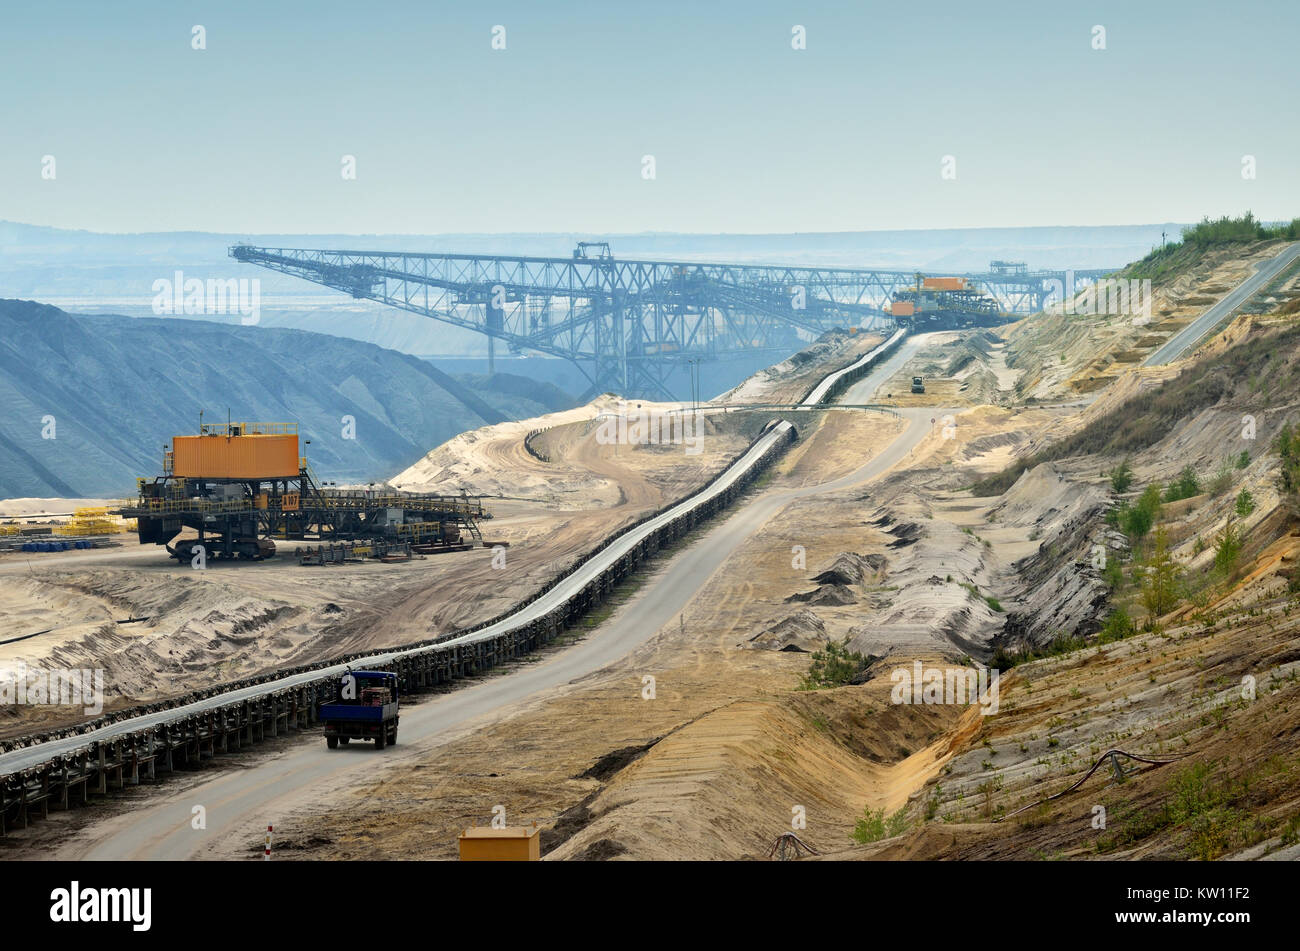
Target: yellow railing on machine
[
  {"x": 418, "y": 529},
  {"x": 448, "y": 503},
  {"x": 248, "y": 429},
  {"x": 293, "y": 501}
]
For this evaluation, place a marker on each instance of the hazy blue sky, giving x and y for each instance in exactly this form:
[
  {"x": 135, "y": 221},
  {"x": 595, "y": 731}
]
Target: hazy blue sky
[{"x": 748, "y": 134}]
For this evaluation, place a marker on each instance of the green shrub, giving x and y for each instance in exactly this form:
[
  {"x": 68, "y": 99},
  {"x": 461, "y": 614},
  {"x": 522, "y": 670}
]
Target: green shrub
[
  {"x": 1121, "y": 477},
  {"x": 993, "y": 603},
  {"x": 1205, "y": 811},
  {"x": 1136, "y": 520},
  {"x": 1113, "y": 573},
  {"x": 1117, "y": 627},
  {"x": 1245, "y": 503},
  {"x": 1247, "y": 228},
  {"x": 1184, "y": 487},
  {"x": 833, "y": 666},
  {"x": 1222, "y": 480},
  {"x": 1004, "y": 659},
  {"x": 1287, "y": 446},
  {"x": 873, "y": 826}
]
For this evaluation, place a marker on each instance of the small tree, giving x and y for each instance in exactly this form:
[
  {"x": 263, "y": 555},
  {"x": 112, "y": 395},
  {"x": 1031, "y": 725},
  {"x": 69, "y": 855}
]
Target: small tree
[
  {"x": 1245, "y": 503},
  {"x": 1162, "y": 579},
  {"x": 1136, "y": 520},
  {"x": 1288, "y": 449},
  {"x": 1121, "y": 477},
  {"x": 1228, "y": 549},
  {"x": 1117, "y": 627},
  {"x": 1113, "y": 573}
]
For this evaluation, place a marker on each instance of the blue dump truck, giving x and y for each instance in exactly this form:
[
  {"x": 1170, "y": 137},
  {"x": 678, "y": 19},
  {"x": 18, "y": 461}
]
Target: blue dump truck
[{"x": 366, "y": 709}]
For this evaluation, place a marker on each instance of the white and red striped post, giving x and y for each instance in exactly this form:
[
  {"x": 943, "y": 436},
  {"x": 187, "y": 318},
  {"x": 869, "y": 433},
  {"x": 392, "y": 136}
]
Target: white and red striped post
[{"x": 266, "y": 856}]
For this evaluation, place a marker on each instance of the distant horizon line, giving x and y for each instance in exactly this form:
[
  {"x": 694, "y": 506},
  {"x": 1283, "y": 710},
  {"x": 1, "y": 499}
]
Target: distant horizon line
[{"x": 622, "y": 234}]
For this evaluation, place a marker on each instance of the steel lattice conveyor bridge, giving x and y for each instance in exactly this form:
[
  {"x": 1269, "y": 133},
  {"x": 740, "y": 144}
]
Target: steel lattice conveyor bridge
[{"x": 628, "y": 324}]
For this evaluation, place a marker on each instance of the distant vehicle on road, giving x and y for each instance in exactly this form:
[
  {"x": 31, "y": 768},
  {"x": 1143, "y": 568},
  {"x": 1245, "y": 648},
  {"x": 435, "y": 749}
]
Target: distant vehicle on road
[
  {"x": 365, "y": 710},
  {"x": 918, "y": 385}
]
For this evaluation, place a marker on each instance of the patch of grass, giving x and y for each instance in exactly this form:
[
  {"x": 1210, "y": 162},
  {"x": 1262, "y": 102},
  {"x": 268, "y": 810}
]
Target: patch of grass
[
  {"x": 988, "y": 599},
  {"x": 1004, "y": 659},
  {"x": 1206, "y": 807}
]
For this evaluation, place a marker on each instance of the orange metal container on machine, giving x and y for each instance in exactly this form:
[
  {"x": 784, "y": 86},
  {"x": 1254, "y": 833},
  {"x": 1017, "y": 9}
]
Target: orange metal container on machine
[
  {"x": 236, "y": 452},
  {"x": 943, "y": 284}
]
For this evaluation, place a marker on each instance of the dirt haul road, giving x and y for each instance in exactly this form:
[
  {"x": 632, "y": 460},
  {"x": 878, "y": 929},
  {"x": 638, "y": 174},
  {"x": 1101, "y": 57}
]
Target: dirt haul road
[
  {"x": 240, "y": 803},
  {"x": 1187, "y": 338}
]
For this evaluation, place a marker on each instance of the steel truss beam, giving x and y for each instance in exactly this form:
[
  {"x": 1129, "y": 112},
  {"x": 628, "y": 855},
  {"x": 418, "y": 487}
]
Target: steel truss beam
[{"x": 627, "y": 324}]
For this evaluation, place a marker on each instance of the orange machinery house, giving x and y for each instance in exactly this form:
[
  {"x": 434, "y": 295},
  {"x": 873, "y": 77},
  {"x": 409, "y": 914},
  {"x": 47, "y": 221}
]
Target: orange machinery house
[{"x": 238, "y": 451}]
